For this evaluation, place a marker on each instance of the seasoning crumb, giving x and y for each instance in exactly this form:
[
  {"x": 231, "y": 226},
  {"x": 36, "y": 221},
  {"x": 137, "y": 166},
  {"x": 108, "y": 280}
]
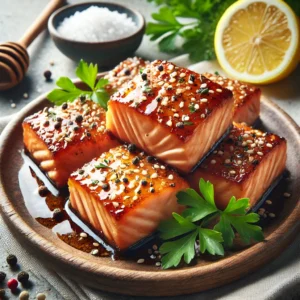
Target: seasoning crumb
[
  {"x": 12, "y": 260},
  {"x": 140, "y": 261},
  {"x": 24, "y": 295},
  {"x": 40, "y": 296}
]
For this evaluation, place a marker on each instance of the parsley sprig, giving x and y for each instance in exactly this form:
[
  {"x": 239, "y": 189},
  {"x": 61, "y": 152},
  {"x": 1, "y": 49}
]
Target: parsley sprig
[
  {"x": 203, "y": 222},
  {"x": 198, "y": 32},
  {"x": 68, "y": 92}
]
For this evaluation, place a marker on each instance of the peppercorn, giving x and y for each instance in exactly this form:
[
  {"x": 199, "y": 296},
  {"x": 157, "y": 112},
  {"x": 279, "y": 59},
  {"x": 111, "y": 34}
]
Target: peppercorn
[
  {"x": 158, "y": 99},
  {"x": 136, "y": 160},
  {"x": 23, "y": 277},
  {"x": 79, "y": 118},
  {"x": 2, "y": 276},
  {"x": 144, "y": 76},
  {"x": 105, "y": 186},
  {"x": 76, "y": 128},
  {"x": 125, "y": 180},
  {"x": 192, "y": 77},
  {"x": 127, "y": 72},
  {"x": 47, "y": 75},
  {"x": 255, "y": 162},
  {"x": 150, "y": 159},
  {"x": 58, "y": 214},
  {"x": 160, "y": 68},
  {"x": 12, "y": 284},
  {"x": 43, "y": 191},
  {"x": 2, "y": 292},
  {"x": 81, "y": 172},
  {"x": 40, "y": 296},
  {"x": 131, "y": 148},
  {"x": 88, "y": 134},
  {"x": 57, "y": 125},
  {"x": 12, "y": 260},
  {"x": 24, "y": 295},
  {"x": 64, "y": 106},
  {"x": 144, "y": 182}
]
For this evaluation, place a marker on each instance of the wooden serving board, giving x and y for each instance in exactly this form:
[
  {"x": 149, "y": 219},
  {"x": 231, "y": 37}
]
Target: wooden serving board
[{"x": 127, "y": 277}]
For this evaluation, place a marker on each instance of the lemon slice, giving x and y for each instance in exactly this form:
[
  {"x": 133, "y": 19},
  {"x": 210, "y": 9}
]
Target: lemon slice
[{"x": 258, "y": 41}]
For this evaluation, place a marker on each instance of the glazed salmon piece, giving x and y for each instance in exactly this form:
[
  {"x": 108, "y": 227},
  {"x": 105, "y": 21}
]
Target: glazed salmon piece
[
  {"x": 124, "y": 194},
  {"x": 246, "y": 98},
  {"x": 172, "y": 113},
  {"x": 244, "y": 165},
  {"x": 125, "y": 71},
  {"x": 60, "y": 139}
]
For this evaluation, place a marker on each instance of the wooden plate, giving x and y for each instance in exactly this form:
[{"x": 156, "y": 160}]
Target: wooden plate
[{"x": 128, "y": 277}]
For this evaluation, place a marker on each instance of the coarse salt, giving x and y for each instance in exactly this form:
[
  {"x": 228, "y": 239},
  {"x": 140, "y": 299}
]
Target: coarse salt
[{"x": 97, "y": 24}]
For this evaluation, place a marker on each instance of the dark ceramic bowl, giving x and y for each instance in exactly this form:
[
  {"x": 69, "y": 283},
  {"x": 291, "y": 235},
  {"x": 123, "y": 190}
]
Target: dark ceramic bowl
[{"x": 105, "y": 54}]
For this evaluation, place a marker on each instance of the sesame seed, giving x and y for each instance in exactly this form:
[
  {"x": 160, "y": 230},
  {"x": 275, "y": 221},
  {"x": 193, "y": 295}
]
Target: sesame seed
[
  {"x": 181, "y": 75},
  {"x": 185, "y": 118},
  {"x": 220, "y": 152},
  {"x": 154, "y": 175},
  {"x": 253, "y": 145},
  {"x": 249, "y": 141},
  {"x": 95, "y": 252},
  {"x": 162, "y": 167},
  {"x": 83, "y": 235},
  {"x": 269, "y": 202},
  {"x": 95, "y": 244},
  {"x": 196, "y": 106},
  {"x": 144, "y": 172},
  {"x": 170, "y": 67},
  {"x": 169, "y": 123},
  {"x": 250, "y": 151},
  {"x": 170, "y": 177},
  {"x": 173, "y": 74},
  {"x": 213, "y": 161},
  {"x": 202, "y": 116},
  {"x": 135, "y": 198},
  {"x": 232, "y": 172},
  {"x": 154, "y": 247},
  {"x": 203, "y": 100},
  {"x": 203, "y": 85},
  {"x": 140, "y": 261},
  {"x": 181, "y": 104},
  {"x": 261, "y": 142},
  {"x": 260, "y": 153},
  {"x": 160, "y": 83},
  {"x": 211, "y": 91},
  {"x": 158, "y": 264},
  {"x": 156, "y": 166},
  {"x": 227, "y": 161},
  {"x": 287, "y": 195},
  {"x": 269, "y": 145},
  {"x": 218, "y": 90},
  {"x": 272, "y": 215},
  {"x": 172, "y": 80}
]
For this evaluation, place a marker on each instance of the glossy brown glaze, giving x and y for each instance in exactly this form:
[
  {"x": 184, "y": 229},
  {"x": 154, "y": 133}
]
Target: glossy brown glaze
[
  {"x": 64, "y": 126},
  {"x": 125, "y": 71},
  {"x": 121, "y": 179},
  {"x": 176, "y": 97},
  {"x": 241, "y": 153}
]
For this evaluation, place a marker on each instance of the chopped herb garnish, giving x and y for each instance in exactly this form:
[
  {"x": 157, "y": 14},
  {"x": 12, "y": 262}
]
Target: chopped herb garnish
[
  {"x": 192, "y": 108},
  {"x": 217, "y": 73},
  {"x": 188, "y": 123},
  {"x": 100, "y": 166},
  {"x": 181, "y": 80},
  {"x": 95, "y": 182},
  {"x": 68, "y": 92},
  {"x": 195, "y": 224},
  {"x": 142, "y": 70},
  {"x": 203, "y": 91}
]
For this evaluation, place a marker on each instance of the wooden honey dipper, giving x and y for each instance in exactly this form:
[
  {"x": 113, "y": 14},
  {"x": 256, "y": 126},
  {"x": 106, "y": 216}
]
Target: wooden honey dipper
[{"x": 14, "y": 58}]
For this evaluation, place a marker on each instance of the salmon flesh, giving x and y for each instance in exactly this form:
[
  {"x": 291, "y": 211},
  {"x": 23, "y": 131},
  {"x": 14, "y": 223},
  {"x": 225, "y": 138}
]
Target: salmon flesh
[
  {"x": 61, "y": 139},
  {"x": 244, "y": 165},
  {"x": 172, "y": 113},
  {"x": 125, "y": 194}
]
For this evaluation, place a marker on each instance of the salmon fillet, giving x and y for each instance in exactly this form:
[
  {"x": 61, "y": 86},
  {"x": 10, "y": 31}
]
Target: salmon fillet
[
  {"x": 246, "y": 98},
  {"x": 244, "y": 165},
  {"x": 172, "y": 113},
  {"x": 124, "y": 194},
  {"x": 60, "y": 139},
  {"x": 125, "y": 71}
]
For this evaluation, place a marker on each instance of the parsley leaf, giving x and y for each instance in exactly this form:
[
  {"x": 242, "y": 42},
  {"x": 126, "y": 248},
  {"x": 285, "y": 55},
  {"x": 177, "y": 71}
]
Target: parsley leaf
[
  {"x": 68, "y": 92},
  {"x": 181, "y": 233},
  {"x": 100, "y": 165}
]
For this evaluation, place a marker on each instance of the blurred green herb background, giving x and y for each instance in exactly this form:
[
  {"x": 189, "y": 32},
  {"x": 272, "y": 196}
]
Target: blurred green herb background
[{"x": 198, "y": 33}]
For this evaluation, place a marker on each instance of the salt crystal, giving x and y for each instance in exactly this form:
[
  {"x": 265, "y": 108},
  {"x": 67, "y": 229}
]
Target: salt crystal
[{"x": 97, "y": 24}]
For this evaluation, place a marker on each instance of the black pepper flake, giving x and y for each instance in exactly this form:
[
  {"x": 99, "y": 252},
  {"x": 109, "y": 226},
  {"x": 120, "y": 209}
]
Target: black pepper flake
[
  {"x": 174, "y": 98},
  {"x": 127, "y": 72},
  {"x": 76, "y": 128},
  {"x": 139, "y": 191},
  {"x": 82, "y": 98},
  {"x": 2, "y": 276},
  {"x": 160, "y": 68},
  {"x": 131, "y": 148},
  {"x": 192, "y": 78},
  {"x": 144, "y": 76},
  {"x": 125, "y": 180},
  {"x": 179, "y": 125},
  {"x": 144, "y": 182},
  {"x": 181, "y": 80},
  {"x": 117, "y": 180},
  {"x": 158, "y": 99},
  {"x": 150, "y": 159},
  {"x": 169, "y": 88},
  {"x": 70, "y": 123},
  {"x": 43, "y": 191},
  {"x": 136, "y": 160},
  {"x": 12, "y": 260},
  {"x": 105, "y": 186},
  {"x": 64, "y": 106},
  {"x": 58, "y": 215},
  {"x": 255, "y": 162},
  {"x": 23, "y": 277},
  {"x": 2, "y": 292},
  {"x": 81, "y": 172},
  {"x": 203, "y": 91},
  {"x": 57, "y": 125},
  {"x": 59, "y": 119},
  {"x": 152, "y": 190},
  {"x": 79, "y": 119},
  {"x": 88, "y": 134},
  {"x": 172, "y": 184},
  {"x": 93, "y": 125},
  {"x": 47, "y": 75}
]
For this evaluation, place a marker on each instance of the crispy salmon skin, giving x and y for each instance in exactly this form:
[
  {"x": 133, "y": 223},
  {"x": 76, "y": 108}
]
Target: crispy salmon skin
[
  {"x": 60, "y": 139},
  {"x": 172, "y": 113},
  {"x": 246, "y": 98},
  {"x": 124, "y": 194},
  {"x": 243, "y": 165}
]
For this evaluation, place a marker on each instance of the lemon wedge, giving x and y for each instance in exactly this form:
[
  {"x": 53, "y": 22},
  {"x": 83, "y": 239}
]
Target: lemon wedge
[{"x": 258, "y": 41}]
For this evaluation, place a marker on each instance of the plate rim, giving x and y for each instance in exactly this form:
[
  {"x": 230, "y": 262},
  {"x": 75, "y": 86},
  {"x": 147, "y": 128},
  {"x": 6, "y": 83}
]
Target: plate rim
[{"x": 292, "y": 223}]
